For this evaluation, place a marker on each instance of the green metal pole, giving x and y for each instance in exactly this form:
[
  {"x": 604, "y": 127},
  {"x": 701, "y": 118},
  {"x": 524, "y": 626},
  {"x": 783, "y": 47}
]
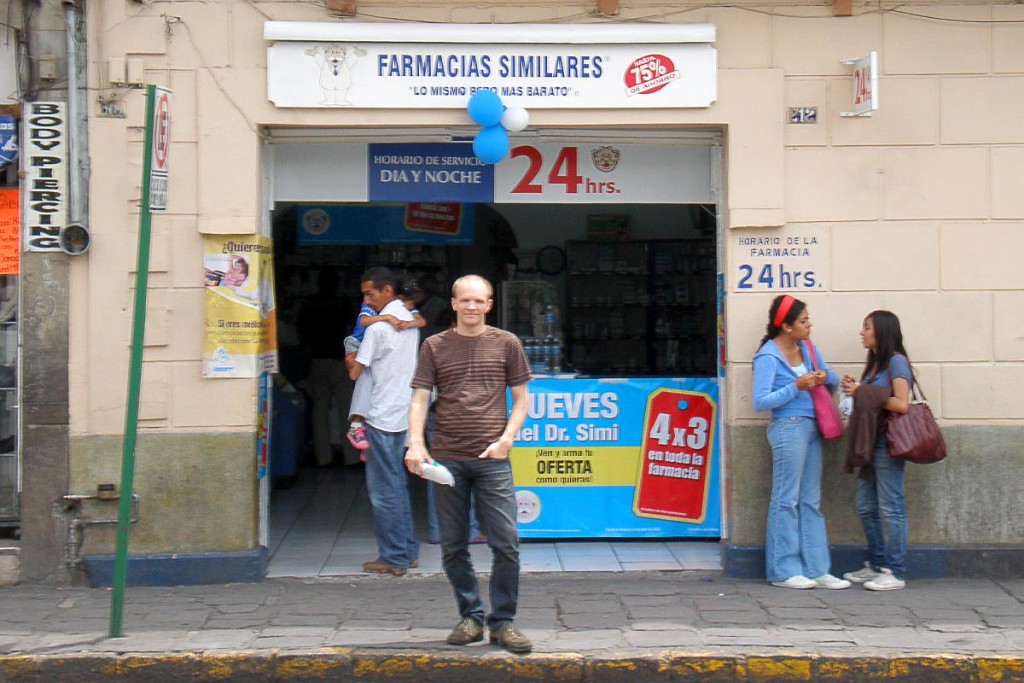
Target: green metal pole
[{"x": 131, "y": 419}]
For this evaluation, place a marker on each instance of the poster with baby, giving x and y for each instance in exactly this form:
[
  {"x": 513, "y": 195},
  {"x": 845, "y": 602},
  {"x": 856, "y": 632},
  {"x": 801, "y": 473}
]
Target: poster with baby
[{"x": 241, "y": 313}]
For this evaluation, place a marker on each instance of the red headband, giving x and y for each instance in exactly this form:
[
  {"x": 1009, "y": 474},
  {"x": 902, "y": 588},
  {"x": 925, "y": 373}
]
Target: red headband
[{"x": 780, "y": 315}]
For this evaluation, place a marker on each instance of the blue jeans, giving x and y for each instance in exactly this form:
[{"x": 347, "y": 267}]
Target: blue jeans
[
  {"x": 882, "y": 497},
  {"x": 490, "y": 481},
  {"x": 434, "y": 526},
  {"x": 796, "y": 542},
  {"x": 388, "y": 486}
]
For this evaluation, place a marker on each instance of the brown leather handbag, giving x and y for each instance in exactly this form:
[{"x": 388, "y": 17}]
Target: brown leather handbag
[{"x": 914, "y": 436}]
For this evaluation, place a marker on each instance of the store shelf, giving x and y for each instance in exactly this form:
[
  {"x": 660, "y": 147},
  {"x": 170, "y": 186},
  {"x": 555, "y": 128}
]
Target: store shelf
[{"x": 644, "y": 307}]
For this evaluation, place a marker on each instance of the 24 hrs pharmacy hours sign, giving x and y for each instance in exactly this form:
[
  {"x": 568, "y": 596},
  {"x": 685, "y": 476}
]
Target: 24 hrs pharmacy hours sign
[{"x": 779, "y": 260}]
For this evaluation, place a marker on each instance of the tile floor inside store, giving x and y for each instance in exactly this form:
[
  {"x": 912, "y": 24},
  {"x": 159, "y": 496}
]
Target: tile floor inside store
[{"x": 322, "y": 526}]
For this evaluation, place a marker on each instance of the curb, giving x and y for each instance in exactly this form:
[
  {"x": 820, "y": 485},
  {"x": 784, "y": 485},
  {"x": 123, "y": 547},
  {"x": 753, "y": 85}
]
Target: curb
[{"x": 360, "y": 665}]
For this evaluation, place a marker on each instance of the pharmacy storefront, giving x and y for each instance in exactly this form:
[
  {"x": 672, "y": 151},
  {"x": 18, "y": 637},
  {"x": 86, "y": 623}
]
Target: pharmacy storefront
[
  {"x": 637, "y": 191},
  {"x": 608, "y": 239}
]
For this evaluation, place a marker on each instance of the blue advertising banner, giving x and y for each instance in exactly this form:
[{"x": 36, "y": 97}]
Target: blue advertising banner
[
  {"x": 8, "y": 140},
  {"x": 417, "y": 223},
  {"x": 627, "y": 458},
  {"x": 428, "y": 172}
]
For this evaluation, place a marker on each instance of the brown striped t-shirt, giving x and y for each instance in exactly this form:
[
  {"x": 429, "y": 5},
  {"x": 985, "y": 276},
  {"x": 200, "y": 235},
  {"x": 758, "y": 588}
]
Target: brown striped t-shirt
[{"x": 471, "y": 375}]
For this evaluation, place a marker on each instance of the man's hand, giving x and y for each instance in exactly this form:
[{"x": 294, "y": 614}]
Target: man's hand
[
  {"x": 415, "y": 457},
  {"x": 498, "y": 450}
]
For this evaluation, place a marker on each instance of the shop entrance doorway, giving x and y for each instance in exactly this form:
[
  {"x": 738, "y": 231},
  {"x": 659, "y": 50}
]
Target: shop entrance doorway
[{"x": 631, "y": 285}]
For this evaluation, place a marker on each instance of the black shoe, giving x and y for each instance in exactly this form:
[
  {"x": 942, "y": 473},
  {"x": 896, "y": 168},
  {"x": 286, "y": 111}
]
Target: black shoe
[
  {"x": 509, "y": 637},
  {"x": 465, "y": 632}
]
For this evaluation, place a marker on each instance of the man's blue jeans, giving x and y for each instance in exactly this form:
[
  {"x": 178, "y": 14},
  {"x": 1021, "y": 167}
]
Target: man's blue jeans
[
  {"x": 883, "y": 497},
  {"x": 796, "y": 542},
  {"x": 388, "y": 486},
  {"x": 491, "y": 482}
]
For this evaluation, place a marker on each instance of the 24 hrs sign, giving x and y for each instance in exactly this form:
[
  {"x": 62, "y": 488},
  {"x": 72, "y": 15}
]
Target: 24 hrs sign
[{"x": 774, "y": 260}]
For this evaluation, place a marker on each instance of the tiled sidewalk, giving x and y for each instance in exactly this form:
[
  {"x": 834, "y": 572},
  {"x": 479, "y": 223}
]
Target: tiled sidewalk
[{"x": 322, "y": 527}]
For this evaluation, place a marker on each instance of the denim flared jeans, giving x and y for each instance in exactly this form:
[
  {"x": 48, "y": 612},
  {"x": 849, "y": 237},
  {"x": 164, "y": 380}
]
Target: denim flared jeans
[
  {"x": 883, "y": 512},
  {"x": 490, "y": 481},
  {"x": 796, "y": 542}
]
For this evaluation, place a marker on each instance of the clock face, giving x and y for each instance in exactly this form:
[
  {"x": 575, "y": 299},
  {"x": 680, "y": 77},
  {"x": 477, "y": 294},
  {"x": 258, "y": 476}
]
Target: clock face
[{"x": 551, "y": 260}]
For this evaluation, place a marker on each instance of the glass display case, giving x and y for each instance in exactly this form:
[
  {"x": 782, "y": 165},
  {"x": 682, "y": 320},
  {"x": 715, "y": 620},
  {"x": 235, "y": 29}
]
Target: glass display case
[{"x": 529, "y": 309}]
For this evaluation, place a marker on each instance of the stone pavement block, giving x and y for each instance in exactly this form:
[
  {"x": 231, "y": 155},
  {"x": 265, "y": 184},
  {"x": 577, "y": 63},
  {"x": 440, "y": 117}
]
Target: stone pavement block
[
  {"x": 734, "y": 617},
  {"x": 590, "y": 639},
  {"x": 810, "y": 613},
  {"x": 593, "y": 621},
  {"x": 364, "y": 638},
  {"x": 304, "y": 620},
  {"x": 686, "y": 615},
  {"x": 670, "y": 638}
]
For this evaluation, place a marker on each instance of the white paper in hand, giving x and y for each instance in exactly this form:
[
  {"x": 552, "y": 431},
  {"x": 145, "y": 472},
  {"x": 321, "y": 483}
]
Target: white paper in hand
[{"x": 438, "y": 473}]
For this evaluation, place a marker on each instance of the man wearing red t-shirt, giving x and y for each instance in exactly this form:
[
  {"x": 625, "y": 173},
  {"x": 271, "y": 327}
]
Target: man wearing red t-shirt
[{"x": 472, "y": 366}]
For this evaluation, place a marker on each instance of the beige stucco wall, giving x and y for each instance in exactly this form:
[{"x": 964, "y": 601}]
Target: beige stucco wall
[{"x": 921, "y": 206}]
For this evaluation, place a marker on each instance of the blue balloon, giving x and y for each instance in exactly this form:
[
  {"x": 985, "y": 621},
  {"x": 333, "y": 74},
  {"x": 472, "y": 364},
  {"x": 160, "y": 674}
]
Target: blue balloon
[
  {"x": 491, "y": 144},
  {"x": 485, "y": 107}
]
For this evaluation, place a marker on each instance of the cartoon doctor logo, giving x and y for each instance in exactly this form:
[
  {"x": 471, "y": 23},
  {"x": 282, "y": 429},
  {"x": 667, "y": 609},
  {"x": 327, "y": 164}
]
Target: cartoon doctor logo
[
  {"x": 334, "y": 63},
  {"x": 527, "y": 507},
  {"x": 605, "y": 158},
  {"x": 648, "y": 74}
]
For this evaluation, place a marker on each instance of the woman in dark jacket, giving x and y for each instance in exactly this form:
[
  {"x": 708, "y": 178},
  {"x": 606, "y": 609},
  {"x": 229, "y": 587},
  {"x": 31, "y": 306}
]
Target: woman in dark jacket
[{"x": 881, "y": 496}]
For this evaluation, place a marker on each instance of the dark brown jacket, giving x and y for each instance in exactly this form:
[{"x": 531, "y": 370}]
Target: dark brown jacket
[{"x": 867, "y": 421}]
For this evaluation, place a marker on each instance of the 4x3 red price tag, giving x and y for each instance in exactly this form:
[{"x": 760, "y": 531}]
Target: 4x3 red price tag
[{"x": 675, "y": 464}]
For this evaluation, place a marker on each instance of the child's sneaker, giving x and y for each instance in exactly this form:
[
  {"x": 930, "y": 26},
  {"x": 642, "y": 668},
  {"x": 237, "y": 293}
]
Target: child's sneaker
[{"x": 357, "y": 437}]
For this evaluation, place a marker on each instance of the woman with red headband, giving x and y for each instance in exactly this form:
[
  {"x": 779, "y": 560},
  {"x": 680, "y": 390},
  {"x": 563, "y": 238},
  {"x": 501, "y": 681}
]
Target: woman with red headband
[{"x": 796, "y": 548}]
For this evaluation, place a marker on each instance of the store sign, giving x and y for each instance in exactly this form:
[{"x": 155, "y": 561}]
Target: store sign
[
  {"x": 45, "y": 168},
  {"x": 865, "y": 85},
  {"x": 790, "y": 259},
  {"x": 428, "y": 172},
  {"x": 604, "y": 173},
  {"x": 10, "y": 232},
  {"x": 639, "y": 456},
  {"x": 416, "y": 223},
  {"x": 532, "y": 174},
  {"x": 360, "y": 71}
]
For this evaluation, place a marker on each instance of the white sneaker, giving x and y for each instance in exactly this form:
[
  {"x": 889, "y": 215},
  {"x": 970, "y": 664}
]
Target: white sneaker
[
  {"x": 798, "y": 582},
  {"x": 862, "y": 575},
  {"x": 830, "y": 582},
  {"x": 885, "y": 582}
]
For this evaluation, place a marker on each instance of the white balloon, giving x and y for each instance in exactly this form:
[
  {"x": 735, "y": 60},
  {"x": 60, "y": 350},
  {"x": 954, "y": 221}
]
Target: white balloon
[{"x": 515, "y": 119}]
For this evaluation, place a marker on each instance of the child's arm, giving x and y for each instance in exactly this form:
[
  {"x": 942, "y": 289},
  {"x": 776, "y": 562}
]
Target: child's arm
[
  {"x": 371, "y": 319},
  {"x": 417, "y": 319}
]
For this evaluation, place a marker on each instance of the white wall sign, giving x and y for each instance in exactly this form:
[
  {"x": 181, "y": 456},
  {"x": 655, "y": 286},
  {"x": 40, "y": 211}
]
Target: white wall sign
[
  {"x": 865, "y": 85},
  {"x": 159, "y": 157},
  {"x": 791, "y": 259},
  {"x": 355, "y": 70},
  {"x": 533, "y": 173},
  {"x": 44, "y": 146}
]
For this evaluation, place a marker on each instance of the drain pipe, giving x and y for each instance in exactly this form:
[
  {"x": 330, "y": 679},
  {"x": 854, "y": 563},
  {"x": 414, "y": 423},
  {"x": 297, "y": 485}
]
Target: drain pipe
[
  {"x": 79, "y": 129},
  {"x": 74, "y": 504}
]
